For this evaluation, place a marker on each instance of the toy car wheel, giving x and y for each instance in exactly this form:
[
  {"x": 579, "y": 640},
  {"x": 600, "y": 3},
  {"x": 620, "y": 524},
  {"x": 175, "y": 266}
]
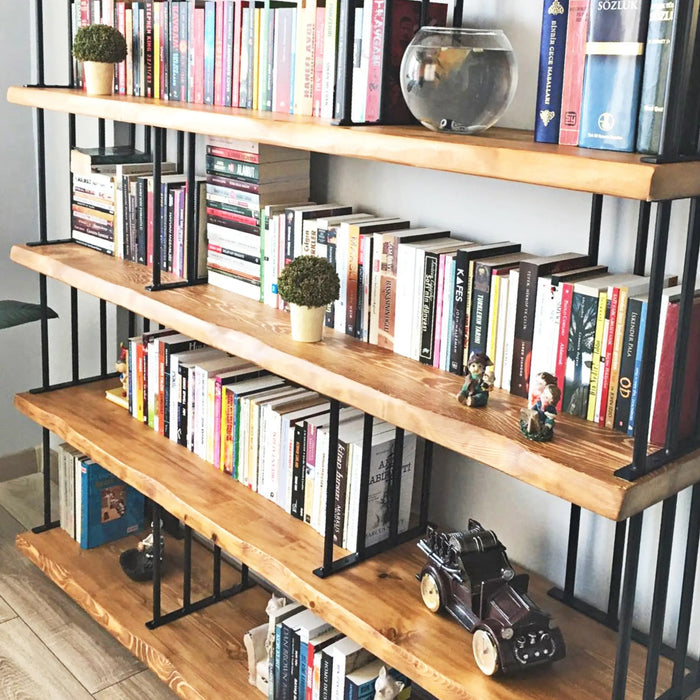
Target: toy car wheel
[
  {"x": 485, "y": 651},
  {"x": 430, "y": 592}
]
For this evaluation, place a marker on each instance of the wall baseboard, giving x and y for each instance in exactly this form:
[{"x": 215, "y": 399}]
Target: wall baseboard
[{"x": 18, "y": 464}]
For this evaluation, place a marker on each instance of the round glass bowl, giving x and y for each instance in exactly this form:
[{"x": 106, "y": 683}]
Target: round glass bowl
[{"x": 459, "y": 80}]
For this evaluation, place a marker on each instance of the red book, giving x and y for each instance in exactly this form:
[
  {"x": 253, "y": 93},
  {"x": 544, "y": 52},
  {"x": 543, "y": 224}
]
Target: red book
[
  {"x": 691, "y": 377},
  {"x": 236, "y": 72},
  {"x": 572, "y": 87},
  {"x": 219, "y": 52},
  {"x": 85, "y": 13},
  {"x": 318, "y": 60},
  {"x": 149, "y": 223},
  {"x": 376, "y": 55},
  {"x": 197, "y": 39},
  {"x": 148, "y": 52},
  {"x": 282, "y": 67},
  {"x": 233, "y": 154},
  {"x": 567, "y": 294}
]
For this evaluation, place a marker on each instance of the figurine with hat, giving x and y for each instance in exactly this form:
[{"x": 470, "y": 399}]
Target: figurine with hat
[{"x": 478, "y": 382}]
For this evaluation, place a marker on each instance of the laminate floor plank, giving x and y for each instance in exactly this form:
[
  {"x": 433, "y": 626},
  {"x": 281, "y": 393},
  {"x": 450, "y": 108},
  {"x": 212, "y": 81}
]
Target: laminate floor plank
[
  {"x": 6, "y": 612},
  {"x": 23, "y": 498},
  {"x": 30, "y": 671},
  {"x": 141, "y": 685}
]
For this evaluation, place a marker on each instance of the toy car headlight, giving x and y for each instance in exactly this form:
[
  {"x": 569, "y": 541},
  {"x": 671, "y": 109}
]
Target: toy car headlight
[
  {"x": 507, "y": 574},
  {"x": 507, "y": 633},
  {"x": 552, "y": 624}
]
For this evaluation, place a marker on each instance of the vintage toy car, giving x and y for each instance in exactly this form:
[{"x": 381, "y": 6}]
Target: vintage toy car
[{"x": 469, "y": 575}]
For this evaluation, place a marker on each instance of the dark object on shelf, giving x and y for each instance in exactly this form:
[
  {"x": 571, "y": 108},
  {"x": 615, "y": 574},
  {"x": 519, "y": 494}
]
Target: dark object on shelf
[
  {"x": 137, "y": 562},
  {"x": 537, "y": 420},
  {"x": 478, "y": 382},
  {"x": 17, "y": 313},
  {"x": 468, "y": 574}
]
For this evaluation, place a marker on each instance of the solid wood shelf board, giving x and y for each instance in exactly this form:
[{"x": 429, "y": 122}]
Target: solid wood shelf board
[
  {"x": 200, "y": 656},
  {"x": 504, "y": 154},
  {"x": 577, "y": 466}
]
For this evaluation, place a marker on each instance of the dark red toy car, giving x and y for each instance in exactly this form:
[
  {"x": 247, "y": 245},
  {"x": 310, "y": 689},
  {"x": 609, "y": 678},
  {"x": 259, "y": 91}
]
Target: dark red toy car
[{"x": 468, "y": 574}]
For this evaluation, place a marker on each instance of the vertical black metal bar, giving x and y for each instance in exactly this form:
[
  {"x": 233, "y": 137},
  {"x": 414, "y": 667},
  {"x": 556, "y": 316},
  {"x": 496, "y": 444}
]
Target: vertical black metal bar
[
  {"x": 425, "y": 485},
  {"x": 69, "y": 34},
  {"x": 146, "y": 325},
  {"x": 157, "y": 160},
  {"x": 164, "y": 144},
  {"x": 616, "y": 571},
  {"x": 132, "y": 135},
  {"x": 658, "y": 606},
  {"x": 44, "y": 332},
  {"x": 572, "y": 550},
  {"x": 245, "y": 576},
  {"x": 46, "y": 466},
  {"x": 39, "y": 27},
  {"x": 395, "y": 486},
  {"x": 101, "y": 133},
  {"x": 330, "y": 485},
  {"x": 187, "y": 582},
  {"x": 216, "y": 579},
  {"x": 690, "y": 267},
  {"x": 155, "y": 514},
  {"x": 685, "y": 605},
  {"x": 103, "y": 337},
  {"x": 458, "y": 12},
  {"x": 640, "y": 253},
  {"x": 147, "y": 141},
  {"x": 180, "y": 157},
  {"x": 364, "y": 482},
  {"x": 192, "y": 223},
  {"x": 594, "y": 228},
  {"x": 624, "y": 635},
  {"x": 658, "y": 265},
  {"x": 74, "y": 337},
  {"x": 132, "y": 324}
]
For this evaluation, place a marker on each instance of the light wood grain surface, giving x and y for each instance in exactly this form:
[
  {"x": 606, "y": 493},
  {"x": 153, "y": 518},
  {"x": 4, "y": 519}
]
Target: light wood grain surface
[
  {"x": 6, "y": 612},
  {"x": 505, "y": 154},
  {"x": 140, "y": 686},
  {"x": 578, "y": 465}
]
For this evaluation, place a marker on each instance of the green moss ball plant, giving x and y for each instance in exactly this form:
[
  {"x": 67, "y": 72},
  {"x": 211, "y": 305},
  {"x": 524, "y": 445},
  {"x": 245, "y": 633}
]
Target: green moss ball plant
[
  {"x": 309, "y": 281},
  {"x": 99, "y": 43}
]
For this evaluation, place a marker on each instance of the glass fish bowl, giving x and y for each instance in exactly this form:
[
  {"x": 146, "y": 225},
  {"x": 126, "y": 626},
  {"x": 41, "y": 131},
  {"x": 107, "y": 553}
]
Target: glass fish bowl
[{"x": 459, "y": 80}]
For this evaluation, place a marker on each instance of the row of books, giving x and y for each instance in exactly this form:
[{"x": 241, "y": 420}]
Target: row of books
[
  {"x": 280, "y": 58},
  {"x": 311, "y": 660},
  {"x": 604, "y": 68},
  {"x": 95, "y": 506},
  {"x": 113, "y": 204},
  {"x": 267, "y": 433}
]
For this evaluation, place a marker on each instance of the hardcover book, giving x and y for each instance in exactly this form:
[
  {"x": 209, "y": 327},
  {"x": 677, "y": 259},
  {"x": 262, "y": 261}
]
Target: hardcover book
[
  {"x": 110, "y": 509},
  {"x": 613, "y": 74},
  {"x": 551, "y": 70},
  {"x": 572, "y": 82}
]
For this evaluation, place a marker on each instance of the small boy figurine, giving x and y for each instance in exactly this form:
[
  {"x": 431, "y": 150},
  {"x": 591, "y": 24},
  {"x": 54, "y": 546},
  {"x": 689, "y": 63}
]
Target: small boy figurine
[
  {"x": 537, "y": 421},
  {"x": 478, "y": 382}
]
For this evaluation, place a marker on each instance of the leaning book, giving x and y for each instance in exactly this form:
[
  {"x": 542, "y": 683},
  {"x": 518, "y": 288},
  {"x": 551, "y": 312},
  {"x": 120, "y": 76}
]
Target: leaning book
[{"x": 110, "y": 509}]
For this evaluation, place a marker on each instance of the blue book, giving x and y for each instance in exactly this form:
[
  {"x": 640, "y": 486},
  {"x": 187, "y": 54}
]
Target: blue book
[
  {"x": 209, "y": 43},
  {"x": 662, "y": 19},
  {"x": 555, "y": 15},
  {"x": 109, "y": 508},
  {"x": 613, "y": 75},
  {"x": 637, "y": 368}
]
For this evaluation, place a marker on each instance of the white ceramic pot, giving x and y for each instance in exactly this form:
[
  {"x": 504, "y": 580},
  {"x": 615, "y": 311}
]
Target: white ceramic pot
[
  {"x": 307, "y": 322},
  {"x": 99, "y": 78}
]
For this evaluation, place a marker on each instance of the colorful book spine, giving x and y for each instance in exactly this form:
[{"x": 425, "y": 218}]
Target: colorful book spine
[
  {"x": 572, "y": 83},
  {"x": 551, "y": 70},
  {"x": 637, "y": 369},
  {"x": 613, "y": 74},
  {"x": 627, "y": 363},
  {"x": 657, "y": 56}
]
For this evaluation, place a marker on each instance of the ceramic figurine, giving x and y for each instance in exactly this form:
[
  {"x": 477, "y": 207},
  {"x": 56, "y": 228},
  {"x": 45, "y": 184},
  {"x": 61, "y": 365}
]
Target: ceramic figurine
[
  {"x": 537, "y": 421},
  {"x": 478, "y": 382},
  {"x": 122, "y": 366},
  {"x": 386, "y": 687},
  {"x": 137, "y": 562},
  {"x": 260, "y": 645}
]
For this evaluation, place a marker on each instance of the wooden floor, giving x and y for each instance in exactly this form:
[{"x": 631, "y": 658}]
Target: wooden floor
[{"x": 49, "y": 647}]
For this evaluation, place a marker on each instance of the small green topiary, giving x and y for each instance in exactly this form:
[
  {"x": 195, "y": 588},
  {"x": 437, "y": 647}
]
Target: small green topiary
[
  {"x": 309, "y": 281},
  {"x": 100, "y": 43}
]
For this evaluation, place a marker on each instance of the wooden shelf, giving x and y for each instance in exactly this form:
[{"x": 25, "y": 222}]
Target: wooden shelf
[
  {"x": 200, "y": 656},
  {"x": 505, "y": 154},
  {"x": 377, "y": 602},
  {"x": 577, "y": 466}
]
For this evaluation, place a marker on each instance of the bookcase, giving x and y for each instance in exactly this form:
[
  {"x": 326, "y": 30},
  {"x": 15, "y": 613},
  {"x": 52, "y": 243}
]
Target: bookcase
[{"x": 377, "y": 602}]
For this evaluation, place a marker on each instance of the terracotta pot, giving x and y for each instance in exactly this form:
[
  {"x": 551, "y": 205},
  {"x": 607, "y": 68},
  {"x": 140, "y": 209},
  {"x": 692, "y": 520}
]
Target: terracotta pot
[
  {"x": 99, "y": 78},
  {"x": 307, "y": 322}
]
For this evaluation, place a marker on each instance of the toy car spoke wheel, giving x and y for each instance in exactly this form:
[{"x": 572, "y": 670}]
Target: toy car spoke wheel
[
  {"x": 430, "y": 592},
  {"x": 485, "y": 652}
]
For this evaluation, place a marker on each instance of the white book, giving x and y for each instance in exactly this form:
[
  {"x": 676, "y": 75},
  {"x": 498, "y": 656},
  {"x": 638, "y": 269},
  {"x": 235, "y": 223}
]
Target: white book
[
  {"x": 513, "y": 278},
  {"x": 503, "y": 299},
  {"x": 347, "y": 656}
]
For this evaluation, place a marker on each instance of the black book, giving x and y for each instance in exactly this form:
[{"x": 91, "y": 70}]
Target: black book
[{"x": 635, "y": 308}]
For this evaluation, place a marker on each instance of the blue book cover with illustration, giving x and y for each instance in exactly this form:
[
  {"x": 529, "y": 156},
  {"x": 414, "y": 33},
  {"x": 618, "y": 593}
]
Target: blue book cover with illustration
[
  {"x": 555, "y": 15},
  {"x": 613, "y": 74},
  {"x": 110, "y": 509}
]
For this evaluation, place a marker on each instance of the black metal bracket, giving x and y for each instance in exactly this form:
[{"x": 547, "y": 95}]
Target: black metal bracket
[
  {"x": 32, "y": 244},
  {"x": 661, "y": 160},
  {"x": 46, "y": 527},
  {"x": 656, "y": 460},
  {"x": 52, "y": 87},
  {"x": 174, "y": 285},
  {"x": 590, "y": 611},
  {"x": 66, "y": 385},
  {"x": 356, "y": 557}
]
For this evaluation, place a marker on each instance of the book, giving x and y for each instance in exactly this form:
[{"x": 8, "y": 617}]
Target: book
[
  {"x": 110, "y": 509},
  {"x": 347, "y": 656},
  {"x": 551, "y": 70},
  {"x": 656, "y": 73},
  {"x": 84, "y": 161},
  {"x": 276, "y": 617},
  {"x": 631, "y": 342},
  {"x": 572, "y": 80},
  {"x": 613, "y": 74}
]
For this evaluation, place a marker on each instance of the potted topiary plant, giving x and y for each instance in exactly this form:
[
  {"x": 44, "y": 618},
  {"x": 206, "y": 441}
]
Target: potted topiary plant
[
  {"x": 99, "y": 47},
  {"x": 308, "y": 284}
]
